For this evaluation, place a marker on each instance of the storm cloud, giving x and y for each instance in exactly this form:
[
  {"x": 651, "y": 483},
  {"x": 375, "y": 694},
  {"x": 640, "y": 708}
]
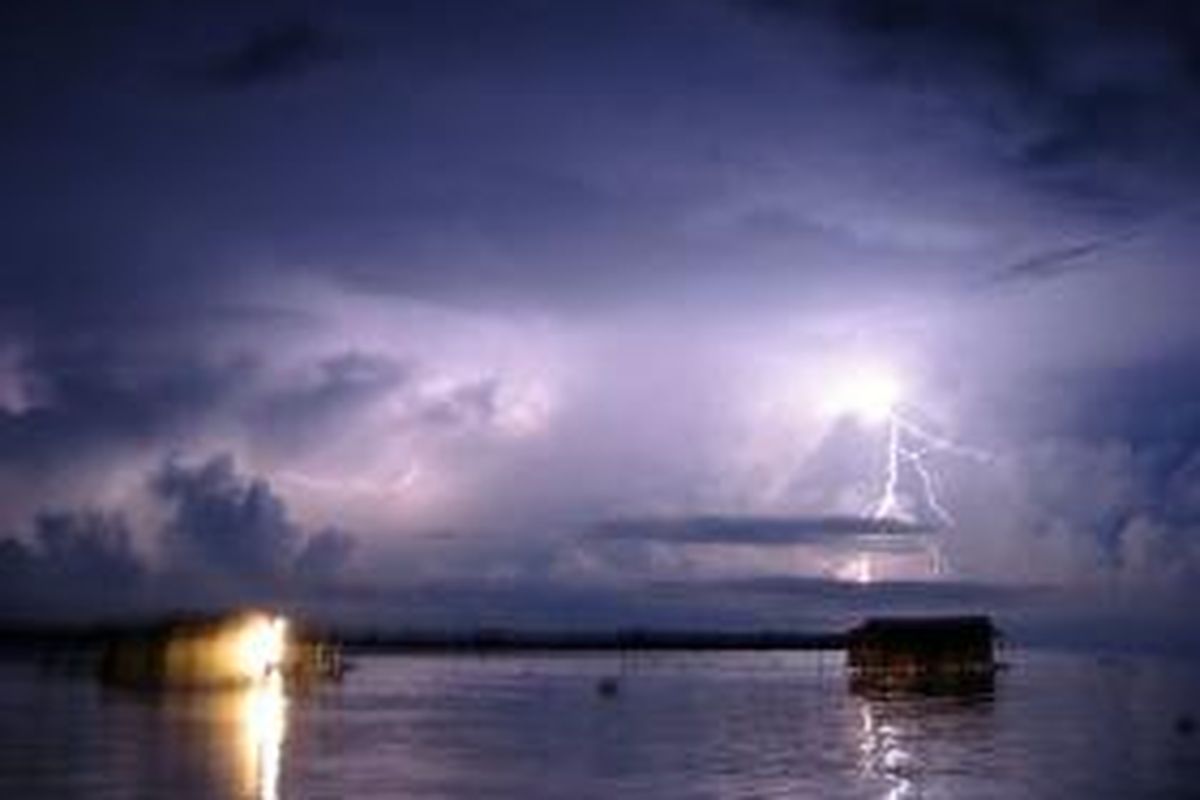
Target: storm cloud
[
  {"x": 545, "y": 298},
  {"x": 1068, "y": 82},
  {"x": 234, "y": 524},
  {"x": 225, "y": 536},
  {"x": 762, "y": 530},
  {"x": 284, "y": 50},
  {"x": 77, "y": 560}
]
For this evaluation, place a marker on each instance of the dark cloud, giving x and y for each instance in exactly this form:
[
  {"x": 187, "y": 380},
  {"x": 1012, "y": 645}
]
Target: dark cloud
[
  {"x": 228, "y": 539},
  {"x": 77, "y": 562},
  {"x": 544, "y": 604},
  {"x": 292, "y": 418},
  {"x": 224, "y": 521},
  {"x": 1084, "y": 84},
  {"x": 880, "y": 596},
  {"x": 87, "y": 401},
  {"x": 334, "y": 400},
  {"x": 283, "y": 51},
  {"x": 324, "y": 555},
  {"x": 1001, "y": 38},
  {"x": 1058, "y": 261},
  {"x": 1093, "y": 254},
  {"x": 1148, "y": 404},
  {"x": 88, "y": 546},
  {"x": 806, "y": 603},
  {"x": 764, "y": 531}
]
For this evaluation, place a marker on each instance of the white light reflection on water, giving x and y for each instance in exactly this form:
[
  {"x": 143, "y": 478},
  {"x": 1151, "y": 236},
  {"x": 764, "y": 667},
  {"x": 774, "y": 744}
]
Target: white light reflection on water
[
  {"x": 884, "y": 756},
  {"x": 262, "y": 728}
]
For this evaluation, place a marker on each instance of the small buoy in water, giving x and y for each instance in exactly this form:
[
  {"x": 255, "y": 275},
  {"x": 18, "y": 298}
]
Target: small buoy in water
[
  {"x": 1185, "y": 725},
  {"x": 607, "y": 687}
]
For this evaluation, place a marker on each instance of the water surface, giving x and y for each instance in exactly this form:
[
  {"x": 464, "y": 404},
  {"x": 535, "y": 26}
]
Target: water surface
[{"x": 729, "y": 725}]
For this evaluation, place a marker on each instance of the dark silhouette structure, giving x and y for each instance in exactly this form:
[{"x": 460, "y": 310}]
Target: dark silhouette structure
[{"x": 927, "y": 654}]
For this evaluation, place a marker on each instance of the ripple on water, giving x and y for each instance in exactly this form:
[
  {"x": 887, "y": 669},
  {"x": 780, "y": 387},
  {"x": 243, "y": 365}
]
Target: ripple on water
[{"x": 711, "y": 725}]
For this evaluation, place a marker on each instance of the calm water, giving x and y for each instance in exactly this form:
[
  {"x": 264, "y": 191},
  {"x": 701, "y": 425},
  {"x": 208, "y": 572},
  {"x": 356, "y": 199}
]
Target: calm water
[{"x": 721, "y": 725}]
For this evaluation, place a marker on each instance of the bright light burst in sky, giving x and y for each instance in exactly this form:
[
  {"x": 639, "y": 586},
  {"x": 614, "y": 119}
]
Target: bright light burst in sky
[
  {"x": 869, "y": 393},
  {"x": 872, "y": 393}
]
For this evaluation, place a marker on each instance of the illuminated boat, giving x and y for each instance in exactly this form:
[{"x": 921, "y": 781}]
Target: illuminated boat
[{"x": 238, "y": 650}]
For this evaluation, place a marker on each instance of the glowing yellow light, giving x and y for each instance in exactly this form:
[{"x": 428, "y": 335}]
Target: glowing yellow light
[
  {"x": 260, "y": 647},
  {"x": 868, "y": 393}
]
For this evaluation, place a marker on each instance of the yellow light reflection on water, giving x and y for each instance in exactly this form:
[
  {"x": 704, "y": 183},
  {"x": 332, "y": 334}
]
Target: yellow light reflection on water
[{"x": 262, "y": 728}]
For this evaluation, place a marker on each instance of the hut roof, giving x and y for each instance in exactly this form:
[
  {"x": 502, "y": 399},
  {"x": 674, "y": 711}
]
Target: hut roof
[{"x": 923, "y": 630}]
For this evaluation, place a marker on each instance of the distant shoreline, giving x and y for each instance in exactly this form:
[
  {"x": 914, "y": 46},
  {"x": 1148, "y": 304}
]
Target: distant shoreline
[
  {"x": 484, "y": 640},
  {"x": 622, "y": 640}
]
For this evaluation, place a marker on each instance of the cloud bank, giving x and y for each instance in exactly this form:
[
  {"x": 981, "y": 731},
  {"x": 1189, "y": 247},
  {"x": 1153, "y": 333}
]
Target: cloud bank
[
  {"x": 225, "y": 538},
  {"x": 471, "y": 278}
]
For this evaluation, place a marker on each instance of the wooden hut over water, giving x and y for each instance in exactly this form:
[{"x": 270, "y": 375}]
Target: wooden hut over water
[{"x": 923, "y": 653}]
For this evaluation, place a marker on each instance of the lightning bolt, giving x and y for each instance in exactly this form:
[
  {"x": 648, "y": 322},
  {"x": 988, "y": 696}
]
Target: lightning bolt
[
  {"x": 888, "y": 504},
  {"x": 930, "y": 489},
  {"x": 910, "y": 444},
  {"x": 935, "y": 442}
]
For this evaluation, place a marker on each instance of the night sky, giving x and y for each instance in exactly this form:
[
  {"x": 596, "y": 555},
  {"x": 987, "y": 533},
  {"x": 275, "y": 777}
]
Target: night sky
[{"x": 528, "y": 313}]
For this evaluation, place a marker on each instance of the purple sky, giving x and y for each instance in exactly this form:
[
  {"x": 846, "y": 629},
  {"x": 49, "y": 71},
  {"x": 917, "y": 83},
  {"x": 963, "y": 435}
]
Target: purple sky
[{"x": 483, "y": 312}]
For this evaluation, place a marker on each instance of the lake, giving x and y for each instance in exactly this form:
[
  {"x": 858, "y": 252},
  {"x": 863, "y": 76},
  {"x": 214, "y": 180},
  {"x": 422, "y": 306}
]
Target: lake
[{"x": 719, "y": 725}]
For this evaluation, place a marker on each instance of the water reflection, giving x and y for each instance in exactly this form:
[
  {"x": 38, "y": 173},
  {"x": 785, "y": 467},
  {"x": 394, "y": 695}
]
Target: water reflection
[
  {"x": 745, "y": 725},
  {"x": 262, "y": 728},
  {"x": 224, "y": 743},
  {"x": 884, "y": 756},
  {"x": 919, "y": 743}
]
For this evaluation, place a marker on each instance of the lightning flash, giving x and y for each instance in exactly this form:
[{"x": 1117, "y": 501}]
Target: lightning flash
[{"x": 873, "y": 395}]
